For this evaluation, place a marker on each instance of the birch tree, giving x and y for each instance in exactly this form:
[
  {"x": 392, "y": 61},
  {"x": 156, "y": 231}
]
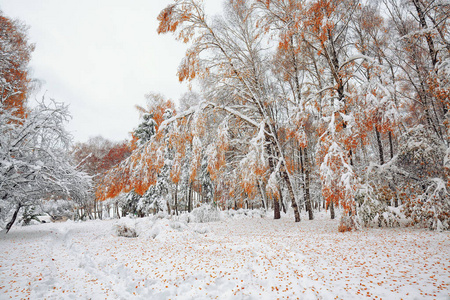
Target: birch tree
[{"x": 229, "y": 53}]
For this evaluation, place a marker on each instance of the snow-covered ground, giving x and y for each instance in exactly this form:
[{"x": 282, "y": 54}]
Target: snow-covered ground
[{"x": 236, "y": 258}]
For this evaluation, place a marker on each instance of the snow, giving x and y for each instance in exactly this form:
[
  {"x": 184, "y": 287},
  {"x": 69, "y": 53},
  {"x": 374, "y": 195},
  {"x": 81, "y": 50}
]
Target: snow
[{"x": 245, "y": 255}]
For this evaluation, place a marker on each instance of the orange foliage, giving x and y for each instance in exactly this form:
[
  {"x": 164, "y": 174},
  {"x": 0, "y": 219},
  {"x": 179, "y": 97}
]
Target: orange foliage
[
  {"x": 138, "y": 172},
  {"x": 166, "y": 22},
  {"x": 189, "y": 66},
  {"x": 319, "y": 18},
  {"x": 174, "y": 15},
  {"x": 216, "y": 159},
  {"x": 333, "y": 157},
  {"x": 16, "y": 54},
  {"x": 439, "y": 87}
]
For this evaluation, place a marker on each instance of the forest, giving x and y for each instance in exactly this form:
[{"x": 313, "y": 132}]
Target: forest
[
  {"x": 310, "y": 159},
  {"x": 300, "y": 105},
  {"x": 294, "y": 105}
]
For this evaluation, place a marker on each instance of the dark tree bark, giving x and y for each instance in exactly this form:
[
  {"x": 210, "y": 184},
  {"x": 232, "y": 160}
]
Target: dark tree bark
[
  {"x": 189, "y": 198},
  {"x": 168, "y": 207},
  {"x": 276, "y": 209},
  {"x": 176, "y": 199},
  {"x": 332, "y": 210},
  {"x": 391, "y": 145},
  {"x": 380, "y": 146},
  {"x": 13, "y": 219},
  {"x": 423, "y": 24}
]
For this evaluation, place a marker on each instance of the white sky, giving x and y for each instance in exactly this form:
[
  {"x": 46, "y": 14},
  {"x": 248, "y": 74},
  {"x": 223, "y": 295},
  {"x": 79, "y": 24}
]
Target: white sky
[{"x": 101, "y": 57}]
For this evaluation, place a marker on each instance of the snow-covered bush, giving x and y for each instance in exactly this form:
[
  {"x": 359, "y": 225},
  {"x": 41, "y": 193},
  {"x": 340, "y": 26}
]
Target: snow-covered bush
[
  {"x": 206, "y": 213},
  {"x": 347, "y": 223},
  {"x": 421, "y": 154},
  {"x": 58, "y": 208},
  {"x": 245, "y": 213},
  {"x": 186, "y": 217},
  {"x": 372, "y": 210},
  {"x": 130, "y": 205},
  {"x": 161, "y": 215},
  {"x": 390, "y": 217},
  {"x": 422, "y": 158},
  {"x": 177, "y": 225},
  {"x": 256, "y": 213},
  {"x": 29, "y": 215},
  {"x": 159, "y": 227},
  {"x": 126, "y": 227},
  {"x": 162, "y": 229},
  {"x": 432, "y": 208},
  {"x": 201, "y": 229}
]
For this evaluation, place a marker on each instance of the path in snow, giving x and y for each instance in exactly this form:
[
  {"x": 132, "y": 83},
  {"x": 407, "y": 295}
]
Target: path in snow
[{"x": 246, "y": 258}]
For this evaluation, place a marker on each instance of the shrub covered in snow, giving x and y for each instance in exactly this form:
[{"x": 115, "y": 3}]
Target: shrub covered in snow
[
  {"x": 206, "y": 213},
  {"x": 245, "y": 213},
  {"x": 126, "y": 227},
  {"x": 58, "y": 208},
  {"x": 201, "y": 229},
  {"x": 30, "y": 216},
  {"x": 423, "y": 157},
  {"x": 432, "y": 208},
  {"x": 161, "y": 215},
  {"x": 186, "y": 217},
  {"x": 372, "y": 210},
  {"x": 160, "y": 227}
]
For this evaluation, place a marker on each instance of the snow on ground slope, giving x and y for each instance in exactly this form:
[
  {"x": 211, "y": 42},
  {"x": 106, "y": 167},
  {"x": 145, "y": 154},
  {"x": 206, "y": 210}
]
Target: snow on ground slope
[{"x": 236, "y": 258}]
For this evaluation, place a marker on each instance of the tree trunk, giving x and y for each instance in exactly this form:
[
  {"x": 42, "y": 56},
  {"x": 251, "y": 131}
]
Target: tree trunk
[
  {"x": 332, "y": 210},
  {"x": 429, "y": 39},
  {"x": 283, "y": 207},
  {"x": 391, "y": 145},
  {"x": 95, "y": 209},
  {"x": 89, "y": 213},
  {"x": 307, "y": 194},
  {"x": 305, "y": 169},
  {"x": 189, "y": 197},
  {"x": 168, "y": 207},
  {"x": 99, "y": 210},
  {"x": 397, "y": 197},
  {"x": 176, "y": 199},
  {"x": 276, "y": 208},
  {"x": 117, "y": 210},
  {"x": 291, "y": 195},
  {"x": 263, "y": 194},
  {"x": 13, "y": 219},
  {"x": 276, "y": 203},
  {"x": 380, "y": 146}
]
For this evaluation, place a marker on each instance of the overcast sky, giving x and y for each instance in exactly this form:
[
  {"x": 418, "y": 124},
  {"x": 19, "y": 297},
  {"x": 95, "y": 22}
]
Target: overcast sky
[{"x": 101, "y": 57}]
